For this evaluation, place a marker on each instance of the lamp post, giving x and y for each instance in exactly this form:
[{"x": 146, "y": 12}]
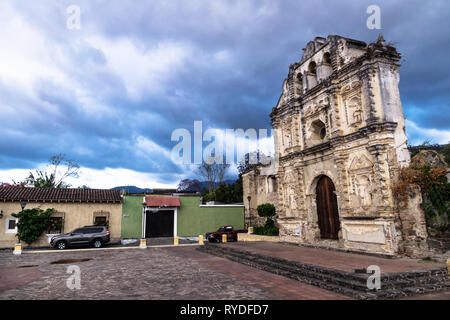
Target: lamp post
[
  {"x": 249, "y": 213},
  {"x": 23, "y": 204}
]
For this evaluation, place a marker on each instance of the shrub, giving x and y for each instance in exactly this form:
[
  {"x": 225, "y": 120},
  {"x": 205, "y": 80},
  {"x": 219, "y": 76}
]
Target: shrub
[
  {"x": 211, "y": 196},
  {"x": 269, "y": 229},
  {"x": 435, "y": 191},
  {"x": 266, "y": 210},
  {"x": 32, "y": 223}
]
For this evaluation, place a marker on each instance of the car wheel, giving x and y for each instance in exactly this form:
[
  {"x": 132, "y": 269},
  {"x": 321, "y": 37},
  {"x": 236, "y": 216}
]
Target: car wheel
[
  {"x": 61, "y": 245},
  {"x": 97, "y": 243}
]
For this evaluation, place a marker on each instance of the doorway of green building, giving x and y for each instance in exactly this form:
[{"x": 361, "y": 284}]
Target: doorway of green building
[{"x": 159, "y": 224}]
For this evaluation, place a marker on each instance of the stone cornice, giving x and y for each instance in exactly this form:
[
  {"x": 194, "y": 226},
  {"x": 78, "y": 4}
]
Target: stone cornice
[{"x": 361, "y": 133}]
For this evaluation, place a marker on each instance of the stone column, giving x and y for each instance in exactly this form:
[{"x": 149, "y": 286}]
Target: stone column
[
  {"x": 342, "y": 185},
  {"x": 378, "y": 151},
  {"x": 335, "y": 125},
  {"x": 368, "y": 94}
]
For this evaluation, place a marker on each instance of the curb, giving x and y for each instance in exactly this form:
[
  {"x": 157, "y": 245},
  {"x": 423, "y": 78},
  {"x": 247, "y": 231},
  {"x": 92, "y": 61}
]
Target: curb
[{"x": 106, "y": 249}]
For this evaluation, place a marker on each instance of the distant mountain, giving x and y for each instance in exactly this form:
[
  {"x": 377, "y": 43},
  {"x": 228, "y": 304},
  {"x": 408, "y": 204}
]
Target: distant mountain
[
  {"x": 133, "y": 189},
  {"x": 137, "y": 190},
  {"x": 205, "y": 184}
]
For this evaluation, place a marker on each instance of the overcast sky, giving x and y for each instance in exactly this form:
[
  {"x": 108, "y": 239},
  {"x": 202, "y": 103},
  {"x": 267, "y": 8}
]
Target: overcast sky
[{"x": 110, "y": 94}]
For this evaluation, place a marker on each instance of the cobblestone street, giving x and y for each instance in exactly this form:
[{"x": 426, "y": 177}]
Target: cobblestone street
[
  {"x": 117, "y": 274},
  {"x": 154, "y": 273}
]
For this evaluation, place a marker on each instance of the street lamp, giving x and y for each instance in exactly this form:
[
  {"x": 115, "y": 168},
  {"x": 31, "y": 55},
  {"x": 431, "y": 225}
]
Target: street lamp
[
  {"x": 23, "y": 204},
  {"x": 249, "y": 213}
]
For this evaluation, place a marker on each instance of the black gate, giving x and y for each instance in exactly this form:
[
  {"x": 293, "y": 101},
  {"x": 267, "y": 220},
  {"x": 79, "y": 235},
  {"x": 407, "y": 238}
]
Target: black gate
[{"x": 159, "y": 224}]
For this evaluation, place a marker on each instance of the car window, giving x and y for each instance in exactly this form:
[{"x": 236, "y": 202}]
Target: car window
[
  {"x": 221, "y": 229},
  {"x": 229, "y": 228},
  {"x": 80, "y": 230},
  {"x": 92, "y": 230}
]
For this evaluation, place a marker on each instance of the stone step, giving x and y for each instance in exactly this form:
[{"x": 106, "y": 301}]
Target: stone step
[
  {"x": 349, "y": 281},
  {"x": 404, "y": 279},
  {"x": 393, "y": 285}
]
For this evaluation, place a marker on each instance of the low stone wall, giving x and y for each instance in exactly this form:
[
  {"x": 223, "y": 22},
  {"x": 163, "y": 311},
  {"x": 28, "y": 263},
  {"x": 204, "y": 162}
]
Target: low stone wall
[{"x": 256, "y": 237}]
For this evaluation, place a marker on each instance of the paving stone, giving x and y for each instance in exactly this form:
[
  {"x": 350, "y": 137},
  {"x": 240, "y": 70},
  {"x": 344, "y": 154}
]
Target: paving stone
[{"x": 125, "y": 274}]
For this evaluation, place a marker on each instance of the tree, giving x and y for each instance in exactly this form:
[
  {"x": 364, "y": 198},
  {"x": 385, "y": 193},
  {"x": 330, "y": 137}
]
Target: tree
[
  {"x": 32, "y": 223},
  {"x": 267, "y": 210},
  {"x": 212, "y": 172},
  {"x": 189, "y": 185},
  {"x": 58, "y": 169},
  {"x": 226, "y": 193},
  {"x": 445, "y": 151},
  {"x": 252, "y": 160}
]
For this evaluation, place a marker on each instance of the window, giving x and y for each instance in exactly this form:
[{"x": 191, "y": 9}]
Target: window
[
  {"x": 312, "y": 67},
  {"x": 327, "y": 58},
  {"x": 318, "y": 132},
  {"x": 92, "y": 230},
  {"x": 78, "y": 231},
  {"x": 101, "y": 221},
  {"x": 101, "y": 218},
  {"x": 322, "y": 133},
  {"x": 11, "y": 225},
  {"x": 56, "y": 225},
  {"x": 299, "y": 84}
]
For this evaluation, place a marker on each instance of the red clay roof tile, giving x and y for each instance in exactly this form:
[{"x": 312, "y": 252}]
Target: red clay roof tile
[
  {"x": 162, "y": 201},
  {"x": 58, "y": 195}
]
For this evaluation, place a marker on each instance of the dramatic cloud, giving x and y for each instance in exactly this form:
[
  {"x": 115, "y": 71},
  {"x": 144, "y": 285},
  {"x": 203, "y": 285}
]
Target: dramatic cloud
[{"x": 110, "y": 94}]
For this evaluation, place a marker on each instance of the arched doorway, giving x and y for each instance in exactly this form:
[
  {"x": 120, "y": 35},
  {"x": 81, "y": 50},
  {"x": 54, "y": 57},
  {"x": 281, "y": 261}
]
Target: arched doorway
[{"x": 327, "y": 209}]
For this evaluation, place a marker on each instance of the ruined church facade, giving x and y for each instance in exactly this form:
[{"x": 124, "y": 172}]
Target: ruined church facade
[{"x": 341, "y": 142}]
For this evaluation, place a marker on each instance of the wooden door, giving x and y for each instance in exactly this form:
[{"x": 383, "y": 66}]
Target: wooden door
[{"x": 327, "y": 209}]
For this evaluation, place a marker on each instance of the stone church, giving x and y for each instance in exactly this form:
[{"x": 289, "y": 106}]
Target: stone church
[{"x": 340, "y": 142}]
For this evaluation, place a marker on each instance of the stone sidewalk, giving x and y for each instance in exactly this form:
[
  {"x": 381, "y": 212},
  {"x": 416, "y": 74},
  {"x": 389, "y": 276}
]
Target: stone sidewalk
[
  {"x": 343, "y": 261},
  {"x": 277, "y": 287}
]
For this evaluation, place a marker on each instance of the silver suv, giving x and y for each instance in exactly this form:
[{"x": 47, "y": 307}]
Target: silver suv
[{"x": 95, "y": 236}]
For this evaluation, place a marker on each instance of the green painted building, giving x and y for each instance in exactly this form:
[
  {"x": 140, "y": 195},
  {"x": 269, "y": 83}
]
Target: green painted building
[{"x": 181, "y": 215}]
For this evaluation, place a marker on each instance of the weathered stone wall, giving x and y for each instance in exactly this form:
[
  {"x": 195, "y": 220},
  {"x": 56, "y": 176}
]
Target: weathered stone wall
[
  {"x": 413, "y": 226},
  {"x": 262, "y": 188},
  {"x": 340, "y": 116}
]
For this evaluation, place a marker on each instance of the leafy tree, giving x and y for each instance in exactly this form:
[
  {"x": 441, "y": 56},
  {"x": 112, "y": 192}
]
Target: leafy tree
[
  {"x": 32, "y": 223},
  {"x": 266, "y": 210},
  {"x": 189, "y": 185},
  {"x": 445, "y": 151},
  {"x": 226, "y": 193},
  {"x": 252, "y": 160},
  {"x": 58, "y": 169}
]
